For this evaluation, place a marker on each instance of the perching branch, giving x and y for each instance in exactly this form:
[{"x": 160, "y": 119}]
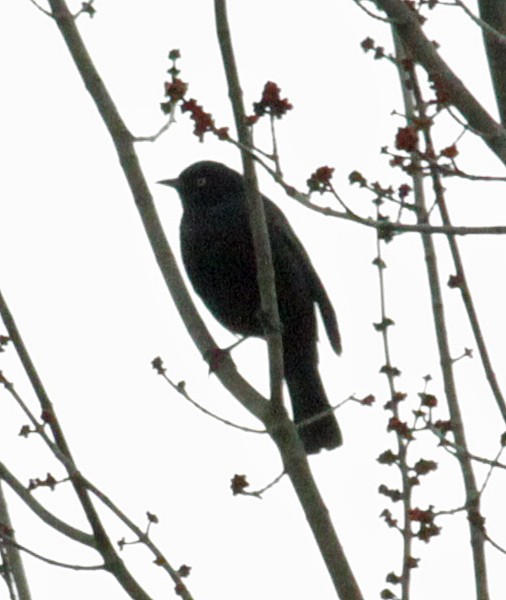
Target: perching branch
[
  {"x": 258, "y": 224},
  {"x": 402, "y": 445},
  {"x": 460, "y": 275},
  {"x": 280, "y": 427},
  {"x": 124, "y": 143},
  {"x": 56, "y": 563}
]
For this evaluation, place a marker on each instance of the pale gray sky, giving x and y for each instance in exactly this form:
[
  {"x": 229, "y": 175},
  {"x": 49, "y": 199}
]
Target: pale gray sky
[{"x": 77, "y": 270}]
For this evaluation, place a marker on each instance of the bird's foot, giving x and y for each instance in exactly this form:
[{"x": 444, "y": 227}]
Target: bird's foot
[{"x": 216, "y": 356}]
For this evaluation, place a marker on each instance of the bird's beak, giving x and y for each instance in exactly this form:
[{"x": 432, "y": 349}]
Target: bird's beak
[{"x": 171, "y": 182}]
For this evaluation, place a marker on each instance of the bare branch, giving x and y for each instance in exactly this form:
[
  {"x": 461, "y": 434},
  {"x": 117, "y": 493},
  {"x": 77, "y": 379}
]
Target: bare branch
[
  {"x": 13, "y": 569},
  {"x": 423, "y": 51},
  {"x": 360, "y": 4},
  {"x": 413, "y": 108},
  {"x": 124, "y": 143},
  {"x": 11, "y": 543},
  {"x": 43, "y": 514},
  {"x": 143, "y": 537},
  {"x": 459, "y": 265},
  {"x": 43, "y": 10},
  {"x": 488, "y": 29},
  {"x": 258, "y": 225},
  {"x": 181, "y": 389}
]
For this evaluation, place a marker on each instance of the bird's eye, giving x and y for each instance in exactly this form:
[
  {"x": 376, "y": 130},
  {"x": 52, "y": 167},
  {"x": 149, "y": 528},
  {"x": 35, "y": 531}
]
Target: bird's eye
[{"x": 201, "y": 182}]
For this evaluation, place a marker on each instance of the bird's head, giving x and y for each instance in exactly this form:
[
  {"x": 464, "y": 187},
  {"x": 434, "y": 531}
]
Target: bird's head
[{"x": 207, "y": 183}]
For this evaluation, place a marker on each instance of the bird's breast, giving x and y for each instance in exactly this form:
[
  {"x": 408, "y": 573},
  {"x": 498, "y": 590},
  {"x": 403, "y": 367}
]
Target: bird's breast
[{"x": 218, "y": 256}]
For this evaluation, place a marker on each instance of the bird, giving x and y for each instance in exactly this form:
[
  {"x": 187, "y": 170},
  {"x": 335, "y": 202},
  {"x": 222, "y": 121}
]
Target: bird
[{"x": 218, "y": 256}]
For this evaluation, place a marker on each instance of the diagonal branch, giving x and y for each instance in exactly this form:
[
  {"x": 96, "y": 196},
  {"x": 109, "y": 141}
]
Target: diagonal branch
[
  {"x": 422, "y": 50},
  {"x": 43, "y": 514},
  {"x": 112, "y": 561},
  {"x": 124, "y": 144},
  {"x": 493, "y": 13},
  {"x": 439, "y": 317}
]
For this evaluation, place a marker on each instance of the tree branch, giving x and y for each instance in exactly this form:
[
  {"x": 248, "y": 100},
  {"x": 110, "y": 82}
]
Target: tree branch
[
  {"x": 279, "y": 426},
  {"x": 411, "y": 103},
  {"x": 102, "y": 543},
  {"x": 493, "y": 13},
  {"x": 13, "y": 565},
  {"x": 422, "y": 50},
  {"x": 124, "y": 143},
  {"x": 9, "y": 543},
  {"x": 256, "y": 212},
  {"x": 34, "y": 505}
]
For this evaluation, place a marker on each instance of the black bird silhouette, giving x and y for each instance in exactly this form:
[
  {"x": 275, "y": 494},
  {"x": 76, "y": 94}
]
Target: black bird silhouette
[{"x": 218, "y": 255}]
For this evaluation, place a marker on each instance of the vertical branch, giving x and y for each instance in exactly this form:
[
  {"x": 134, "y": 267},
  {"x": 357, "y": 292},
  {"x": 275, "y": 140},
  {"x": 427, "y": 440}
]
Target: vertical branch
[
  {"x": 467, "y": 297},
  {"x": 123, "y": 141},
  {"x": 457, "y": 260},
  {"x": 283, "y": 432},
  {"x": 471, "y": 490},
  {"x": 124, "y": 144},
  {"x": 402, "y": 445},
  {"x": 258, "y": 225},
  {"x": 14, "y": 567}
]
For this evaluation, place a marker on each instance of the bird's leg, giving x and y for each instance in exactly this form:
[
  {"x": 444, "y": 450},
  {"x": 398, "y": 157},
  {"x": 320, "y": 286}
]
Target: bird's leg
[{"x": 216, "y": 355}]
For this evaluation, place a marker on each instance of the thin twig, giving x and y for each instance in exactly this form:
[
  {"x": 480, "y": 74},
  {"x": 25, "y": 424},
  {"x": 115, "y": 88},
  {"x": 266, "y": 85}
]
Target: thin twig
[
  {"x": 86, "y": 7},
  {"x": 370, "y": 13},
  {"x": 163, "y": 129},
  {"x": 6, "y": 573},
  {"x": 448, "y": 445},
  {"x": 8, "y": 542},
  {"x": 459, "y": 266},
  {"x": 494, "y": 544},
  {"x": 141, "y": 535},
  {"x": 181, "y": 389},
  {"x": 260, "y": 492},
  {"x": 492, "y": 466},
  {"x": 415, "y": 108},
  {"x": 39, "y": 428},
  {"x": 42, "y": 10},
  {"x": 377, "y": 224},
  {"x": 402, "y": 445},
  {"x": 275, "y": 153},
  {"x": 279, "y": 426},
  {"x": 489, "y": 30}
]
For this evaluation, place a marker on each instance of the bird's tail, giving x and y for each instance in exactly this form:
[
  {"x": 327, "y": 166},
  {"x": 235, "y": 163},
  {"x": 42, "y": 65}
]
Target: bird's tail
[{"x": 308, "y": 401}]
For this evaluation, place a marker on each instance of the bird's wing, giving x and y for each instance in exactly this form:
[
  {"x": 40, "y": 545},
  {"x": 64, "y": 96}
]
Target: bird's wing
[{"x": 283, "y": 230}]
